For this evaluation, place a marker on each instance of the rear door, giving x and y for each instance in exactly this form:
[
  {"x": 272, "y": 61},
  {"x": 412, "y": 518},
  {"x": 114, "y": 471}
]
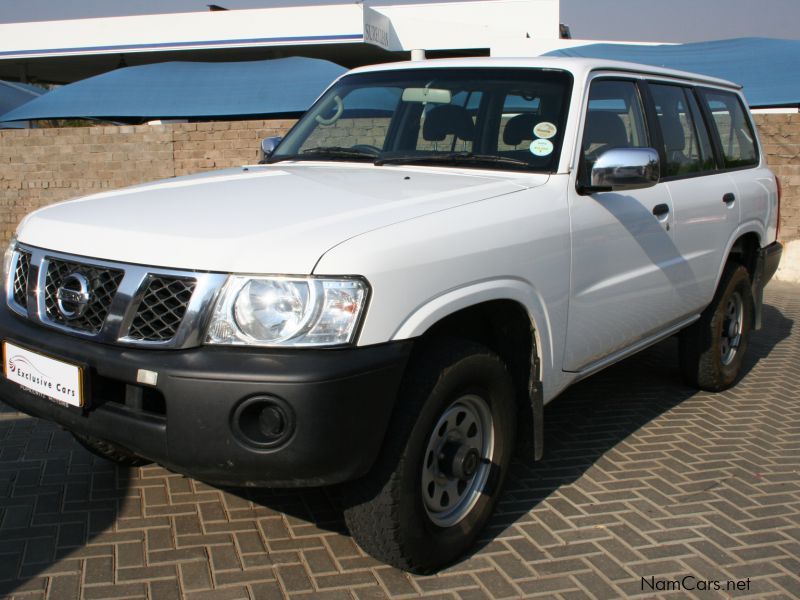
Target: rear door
[
  {"x": 734, "y": 133},
  {"x": 704, "y": 197}
]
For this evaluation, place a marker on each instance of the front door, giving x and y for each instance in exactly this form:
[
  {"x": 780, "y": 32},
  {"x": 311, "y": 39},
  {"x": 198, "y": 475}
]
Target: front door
[{"x": 625, "y": 265}]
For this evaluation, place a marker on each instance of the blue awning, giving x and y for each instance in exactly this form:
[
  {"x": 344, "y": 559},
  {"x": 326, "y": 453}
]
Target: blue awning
[
  {"x": 188, "y": 90},
  {"x": 768, "y": 69},
  {"x": 14, "y": 94}
]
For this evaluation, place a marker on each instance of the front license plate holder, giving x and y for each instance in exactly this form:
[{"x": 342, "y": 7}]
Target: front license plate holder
[{"x": 57, "y": 380}]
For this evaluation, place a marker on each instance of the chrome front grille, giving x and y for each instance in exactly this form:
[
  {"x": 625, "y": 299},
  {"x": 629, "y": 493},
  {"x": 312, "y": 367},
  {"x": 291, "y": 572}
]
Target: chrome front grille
[
  {"x": 116, "y": 303},
  {"x": 104, "y": 283},
  {"x": 162, "y": 309},
  {"x": 21, "y": 272}
]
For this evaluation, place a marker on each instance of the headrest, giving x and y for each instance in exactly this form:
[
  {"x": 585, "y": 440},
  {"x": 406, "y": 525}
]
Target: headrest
[
  {"x": 672, "y": 130},
  {"x": 446, "y": 119},
  {"x": 603, "y": 127},
  {"x": 520, "y": 128}
]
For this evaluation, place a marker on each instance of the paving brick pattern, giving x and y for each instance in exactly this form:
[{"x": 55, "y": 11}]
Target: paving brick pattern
[{"x": 642, "y": 477}]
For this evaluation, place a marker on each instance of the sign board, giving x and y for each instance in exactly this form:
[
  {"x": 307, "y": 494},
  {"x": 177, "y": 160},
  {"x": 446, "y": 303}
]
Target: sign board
[{"x": 377, "y": 29}]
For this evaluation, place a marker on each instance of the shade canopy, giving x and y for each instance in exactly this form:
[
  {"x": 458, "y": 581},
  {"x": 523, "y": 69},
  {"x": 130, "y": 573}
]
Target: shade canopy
[
  {"x": 188, "y": 90},
  {"x": 766, "y": 68},
  {"x": 14, "y": 94}
]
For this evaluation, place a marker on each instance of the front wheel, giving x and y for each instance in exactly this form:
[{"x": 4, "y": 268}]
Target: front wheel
[
  {"x": 713, "y": 348},
  {"x": 443, "y": 463}
]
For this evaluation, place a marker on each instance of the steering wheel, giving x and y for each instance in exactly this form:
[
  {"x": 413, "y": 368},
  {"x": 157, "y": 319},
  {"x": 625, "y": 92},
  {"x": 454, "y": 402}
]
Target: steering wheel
[{"x": 337, "y": 113}]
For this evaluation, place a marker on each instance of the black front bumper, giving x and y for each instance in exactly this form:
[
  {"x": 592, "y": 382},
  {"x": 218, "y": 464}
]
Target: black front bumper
[{"x": 340, "y": 402}]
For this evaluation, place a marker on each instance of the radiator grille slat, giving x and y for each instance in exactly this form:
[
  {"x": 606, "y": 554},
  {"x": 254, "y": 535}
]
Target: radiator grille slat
[
  {"x": 21, "y": 274},
  {"x": 162, "y": 309}
]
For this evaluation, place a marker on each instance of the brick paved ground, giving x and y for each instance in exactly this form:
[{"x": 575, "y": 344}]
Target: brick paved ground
[{"x": 643, "y": 477}]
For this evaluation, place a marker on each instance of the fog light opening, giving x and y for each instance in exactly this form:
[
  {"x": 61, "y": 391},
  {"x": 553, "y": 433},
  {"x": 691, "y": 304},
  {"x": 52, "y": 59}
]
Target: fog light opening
[{"x": 263, "y": 421}]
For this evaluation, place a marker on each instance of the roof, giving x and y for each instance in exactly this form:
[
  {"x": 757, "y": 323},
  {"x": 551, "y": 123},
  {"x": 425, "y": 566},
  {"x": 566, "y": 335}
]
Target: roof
[
  {"x": 766, "y": 68},
  {"x": 576, "y": 65},
  {"x": 175, "y": 90}
]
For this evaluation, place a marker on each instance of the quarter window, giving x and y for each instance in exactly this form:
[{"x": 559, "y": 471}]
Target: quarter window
[
  {"x": 733, "y": 130},
  {"x": 685, "y": 150}
]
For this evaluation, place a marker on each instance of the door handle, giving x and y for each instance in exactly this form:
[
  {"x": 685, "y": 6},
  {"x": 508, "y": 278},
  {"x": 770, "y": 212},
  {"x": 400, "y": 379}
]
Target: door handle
[
  {"x": 660, "y": 210},
  {"x": 729, "y": 198}
]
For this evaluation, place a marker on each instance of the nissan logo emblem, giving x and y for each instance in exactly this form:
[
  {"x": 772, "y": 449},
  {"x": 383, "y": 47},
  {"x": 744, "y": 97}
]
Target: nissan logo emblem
[{"x": 73, "y": 296}]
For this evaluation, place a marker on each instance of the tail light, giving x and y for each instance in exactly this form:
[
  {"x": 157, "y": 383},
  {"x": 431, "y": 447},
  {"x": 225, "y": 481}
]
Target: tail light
[{"x": 778, "y": 223}]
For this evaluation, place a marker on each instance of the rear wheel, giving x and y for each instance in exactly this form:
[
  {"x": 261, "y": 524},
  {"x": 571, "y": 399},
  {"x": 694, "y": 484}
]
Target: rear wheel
[
  {"x": 110, "y": 451},
  {"x": 443, "y": 462},
  {"x": 713, "y": 348}
]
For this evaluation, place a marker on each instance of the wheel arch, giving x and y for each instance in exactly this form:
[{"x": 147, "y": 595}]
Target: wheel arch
[
  {"x": 744, "y": 249},
  {"x": 739, "y": 244},
  {"x": 505, "y": 325}
]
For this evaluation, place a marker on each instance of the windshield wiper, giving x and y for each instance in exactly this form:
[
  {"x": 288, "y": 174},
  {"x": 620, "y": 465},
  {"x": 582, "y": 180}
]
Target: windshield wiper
[
  {"x": 451, "y": 157},
  {"x": 328, "y": 152}
]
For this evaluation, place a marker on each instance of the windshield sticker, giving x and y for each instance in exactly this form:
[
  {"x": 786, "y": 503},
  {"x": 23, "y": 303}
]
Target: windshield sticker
[
  {"x": 544, "y": 130},
  {"x": 541, "y": 147}
]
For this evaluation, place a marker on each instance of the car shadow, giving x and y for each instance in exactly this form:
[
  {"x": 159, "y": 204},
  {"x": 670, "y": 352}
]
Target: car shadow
[
  {"x": 585, "y": 422},
  {"x": 597, "y": 414},
  {"x": 56, "y": 498},
  {"x": 581, "y": 425}
]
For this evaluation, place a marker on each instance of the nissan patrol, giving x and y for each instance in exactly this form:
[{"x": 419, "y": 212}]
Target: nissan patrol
[{"x": 433, "y": 252}]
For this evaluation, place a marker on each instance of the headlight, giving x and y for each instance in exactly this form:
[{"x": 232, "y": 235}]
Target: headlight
[
  {"x": 9, "y": 254},
  {"x": 287, "y": 311}
]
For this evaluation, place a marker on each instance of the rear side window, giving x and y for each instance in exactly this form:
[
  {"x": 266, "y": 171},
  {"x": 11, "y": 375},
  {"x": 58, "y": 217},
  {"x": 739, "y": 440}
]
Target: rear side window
[
  {"x": 732, "y": 128},
  {"x": 686, "y": 146}
]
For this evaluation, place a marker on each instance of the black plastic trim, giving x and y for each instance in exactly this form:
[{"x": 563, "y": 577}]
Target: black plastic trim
[{"x": 341, "y": 401}]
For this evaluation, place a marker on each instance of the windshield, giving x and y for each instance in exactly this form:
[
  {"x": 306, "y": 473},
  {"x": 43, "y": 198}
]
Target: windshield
[{"x": 484, "y": 118}]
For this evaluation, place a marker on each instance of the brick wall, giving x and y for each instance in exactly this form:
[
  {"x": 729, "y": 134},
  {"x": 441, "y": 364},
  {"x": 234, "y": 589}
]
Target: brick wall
[
  {"x": 42, "y": 166},
  {"x": 780, "y": 135}
]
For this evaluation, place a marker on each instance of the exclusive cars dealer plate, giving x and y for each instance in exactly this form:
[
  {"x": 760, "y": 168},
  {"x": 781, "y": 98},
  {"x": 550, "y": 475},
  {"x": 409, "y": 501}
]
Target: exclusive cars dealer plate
[{"x": 42, "y": 375}]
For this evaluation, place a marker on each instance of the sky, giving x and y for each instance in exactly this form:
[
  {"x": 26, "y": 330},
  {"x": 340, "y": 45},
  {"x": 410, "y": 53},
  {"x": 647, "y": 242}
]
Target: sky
[{"x": 631, "y": 20}]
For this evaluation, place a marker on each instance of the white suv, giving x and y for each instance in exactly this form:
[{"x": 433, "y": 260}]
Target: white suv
[{"x": 435, "y": 251}]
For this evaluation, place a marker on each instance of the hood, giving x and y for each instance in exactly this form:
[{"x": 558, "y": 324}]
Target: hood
[{"x": 259, "y": 219}]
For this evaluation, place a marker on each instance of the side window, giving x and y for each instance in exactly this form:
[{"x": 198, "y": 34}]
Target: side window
[
  {"x": 732, "y": 128},
  {"x": 615, "y": 119},
  {"x": 686, "y": 152}
]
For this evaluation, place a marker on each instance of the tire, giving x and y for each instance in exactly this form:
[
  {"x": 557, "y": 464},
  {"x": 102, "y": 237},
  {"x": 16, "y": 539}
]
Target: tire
[
  {"x": 429, "y": 493},
  {"x": 110, "y": 451},
  {"x": 713, "y": 348}
]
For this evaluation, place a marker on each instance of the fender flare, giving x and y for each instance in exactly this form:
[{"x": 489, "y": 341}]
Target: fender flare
[{"x": 523, "y": 293}]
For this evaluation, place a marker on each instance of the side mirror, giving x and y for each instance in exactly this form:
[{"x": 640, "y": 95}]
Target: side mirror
[
  {"x": 622, "y": 169},
  {"x": 268, "y": 146}
]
